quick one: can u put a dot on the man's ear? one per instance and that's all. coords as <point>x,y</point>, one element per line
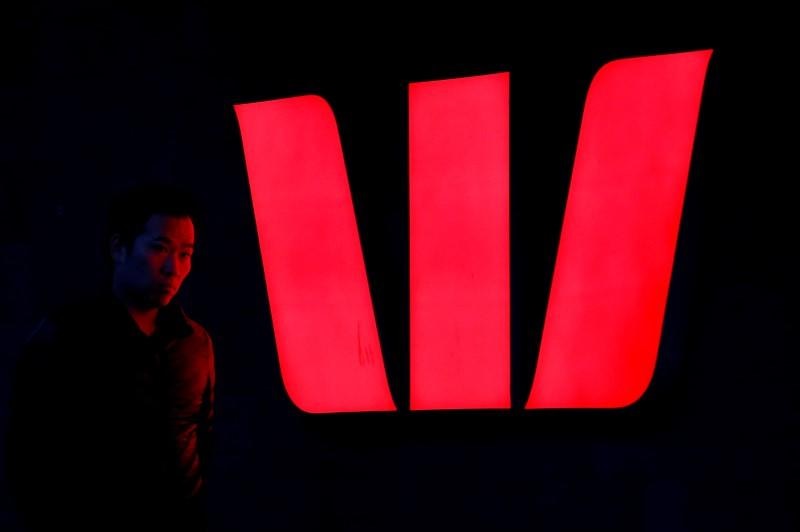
<point>118,250</point>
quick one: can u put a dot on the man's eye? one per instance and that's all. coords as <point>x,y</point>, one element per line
<point>186,255</point>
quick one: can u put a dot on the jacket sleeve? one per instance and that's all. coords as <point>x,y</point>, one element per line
<point>206,418</point>
<point>191,411</point>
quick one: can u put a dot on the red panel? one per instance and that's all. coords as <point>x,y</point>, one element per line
<point>327,340</point>
<point>459,269</point>
<point>612,273</point>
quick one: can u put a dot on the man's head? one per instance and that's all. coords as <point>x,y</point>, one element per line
<point>151,236</point>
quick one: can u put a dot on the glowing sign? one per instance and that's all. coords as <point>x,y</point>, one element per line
<point>612,273</point>
<point>325,330</point>
<point>459,257</point>
<point>611,279</point>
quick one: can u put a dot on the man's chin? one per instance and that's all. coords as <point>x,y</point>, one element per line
<point>163,301</point>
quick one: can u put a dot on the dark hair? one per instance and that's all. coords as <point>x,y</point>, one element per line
<point>131,209</point>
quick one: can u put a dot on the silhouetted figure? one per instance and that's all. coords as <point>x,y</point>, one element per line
<point>113,401</point>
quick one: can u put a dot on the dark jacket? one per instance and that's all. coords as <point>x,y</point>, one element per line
<point>110,428</point>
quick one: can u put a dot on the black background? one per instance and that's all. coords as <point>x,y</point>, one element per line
<point>95,99</point>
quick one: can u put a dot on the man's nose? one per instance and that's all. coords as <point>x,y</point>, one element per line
<point>168,266</point>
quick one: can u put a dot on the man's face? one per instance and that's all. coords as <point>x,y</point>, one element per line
<point>152,270</point>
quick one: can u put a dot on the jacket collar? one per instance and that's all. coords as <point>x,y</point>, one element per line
<point>170,322</point>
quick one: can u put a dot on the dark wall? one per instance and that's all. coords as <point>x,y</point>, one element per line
<point>95,99</point>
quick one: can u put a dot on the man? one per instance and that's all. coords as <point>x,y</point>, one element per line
<point>114,397</point>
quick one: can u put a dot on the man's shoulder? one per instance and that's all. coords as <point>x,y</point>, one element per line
<point>67,316</point>
<point>57,321</point>
<point>197,329</point>
<point>52,338</point>
<point>192,353</point>
<point>196,334</point>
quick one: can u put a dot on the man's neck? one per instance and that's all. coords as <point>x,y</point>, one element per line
<point>145,318</point>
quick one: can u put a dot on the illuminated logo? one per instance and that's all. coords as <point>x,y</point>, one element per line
<point>609,289</point>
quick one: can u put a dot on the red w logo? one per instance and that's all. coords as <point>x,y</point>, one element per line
<point>612,272</point>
